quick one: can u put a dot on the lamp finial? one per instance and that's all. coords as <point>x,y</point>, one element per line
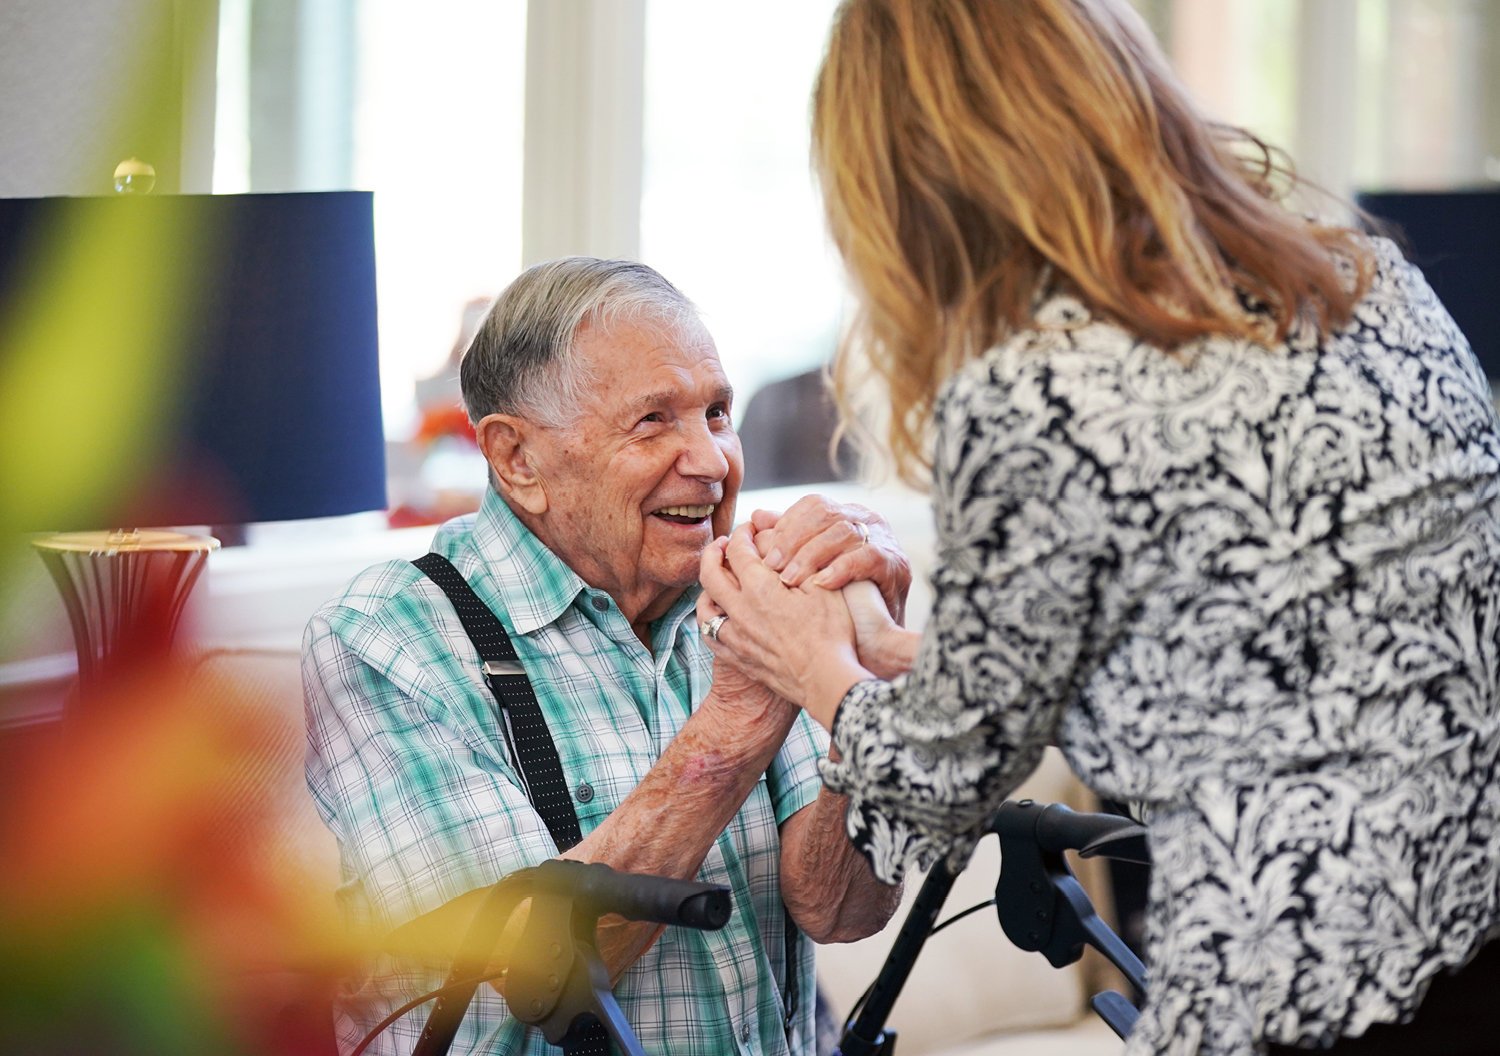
<point>134,176</point>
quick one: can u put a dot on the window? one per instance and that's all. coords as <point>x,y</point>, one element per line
<point>1429,112</point>
<point>437,137</point>
<point>729,209</point>
<point>422,107</point>
<point>1363,93</point>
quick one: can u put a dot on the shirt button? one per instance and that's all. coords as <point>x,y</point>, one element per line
<point>584,792</point>
<point>601,604</point>
<point>745,1031</point>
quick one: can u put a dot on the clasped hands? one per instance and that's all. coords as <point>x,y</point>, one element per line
<point>808,602</point>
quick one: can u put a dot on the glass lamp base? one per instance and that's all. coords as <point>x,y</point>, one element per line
<point>125,592</point>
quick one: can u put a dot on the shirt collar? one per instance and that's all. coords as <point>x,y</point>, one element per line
<point>509,567</point>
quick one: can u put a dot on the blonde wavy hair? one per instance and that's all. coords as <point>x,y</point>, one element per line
<point>974,153</point>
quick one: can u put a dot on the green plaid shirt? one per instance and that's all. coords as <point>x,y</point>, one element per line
<point>408,767</point>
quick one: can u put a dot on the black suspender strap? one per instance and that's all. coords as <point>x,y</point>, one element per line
<point>541,769</point>
<point>534,753</point>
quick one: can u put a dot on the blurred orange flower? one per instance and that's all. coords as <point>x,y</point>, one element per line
<point>148,902</point>
<point>449,420</point>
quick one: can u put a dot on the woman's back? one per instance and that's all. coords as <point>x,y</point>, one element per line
<point>1263,585</point>
<point>1255,588</point>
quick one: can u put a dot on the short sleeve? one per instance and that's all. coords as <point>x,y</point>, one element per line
<point>423,810</point>
<point>793,778</point>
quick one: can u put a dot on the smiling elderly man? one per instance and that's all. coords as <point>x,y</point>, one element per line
<point>602,409</point>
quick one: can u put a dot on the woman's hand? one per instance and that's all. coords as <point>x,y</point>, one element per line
<point>884,647</point>
<point>798,641</point>
<point>832,545</point>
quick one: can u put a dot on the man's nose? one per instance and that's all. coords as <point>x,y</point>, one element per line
<point>702,454</point>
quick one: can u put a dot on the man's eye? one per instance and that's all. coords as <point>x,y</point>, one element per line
<point>718,410</point>
<point>654,416</point>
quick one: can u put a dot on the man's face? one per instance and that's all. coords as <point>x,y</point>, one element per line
<point>648,475</point>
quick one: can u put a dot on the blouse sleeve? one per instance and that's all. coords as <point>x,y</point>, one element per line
<point>1023,555</point>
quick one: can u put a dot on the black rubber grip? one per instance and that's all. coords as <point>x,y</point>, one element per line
<point>1062,829</point>
<point>1055,828</point>
<point>637,896</point>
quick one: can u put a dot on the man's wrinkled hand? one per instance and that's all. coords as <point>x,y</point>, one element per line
<point>735,687</point>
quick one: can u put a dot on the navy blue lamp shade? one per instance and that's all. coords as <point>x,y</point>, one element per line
<point>270,397</point>
<point>1454,237</point>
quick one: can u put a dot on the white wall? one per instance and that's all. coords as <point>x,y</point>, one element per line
<point>87,83</point>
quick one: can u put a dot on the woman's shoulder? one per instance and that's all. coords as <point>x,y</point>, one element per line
<point>1071,355</point>
<point>1074,382</point>
<point>1396,284</point>
<point>1065,334</point>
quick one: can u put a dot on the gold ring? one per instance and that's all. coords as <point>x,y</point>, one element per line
<point>710,628</point>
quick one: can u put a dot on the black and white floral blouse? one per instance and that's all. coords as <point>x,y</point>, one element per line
<point>1258,592</point>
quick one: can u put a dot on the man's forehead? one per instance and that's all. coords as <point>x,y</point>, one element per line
<point>686,332</point>
<point>641,360</point>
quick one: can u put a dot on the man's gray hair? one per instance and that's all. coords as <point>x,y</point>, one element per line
<point>522,359</point>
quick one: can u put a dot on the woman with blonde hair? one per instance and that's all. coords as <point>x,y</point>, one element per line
<point>1217,491</point>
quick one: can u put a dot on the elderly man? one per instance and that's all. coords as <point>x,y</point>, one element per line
<point>602,409</point>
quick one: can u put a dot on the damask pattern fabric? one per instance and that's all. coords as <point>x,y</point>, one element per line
<point>408,766</point>
<point>1255,590</point>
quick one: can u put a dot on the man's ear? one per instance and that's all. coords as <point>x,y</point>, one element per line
<point>506,442</point>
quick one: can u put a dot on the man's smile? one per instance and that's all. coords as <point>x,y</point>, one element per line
<point>685,514</point>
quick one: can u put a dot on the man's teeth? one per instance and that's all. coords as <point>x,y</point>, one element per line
<point>695,512</point>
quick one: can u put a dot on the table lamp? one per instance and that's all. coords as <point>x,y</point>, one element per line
<point>263,393</point>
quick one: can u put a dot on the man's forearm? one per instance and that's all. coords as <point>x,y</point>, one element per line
<point>668,823</point>
<point>825,882</point>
